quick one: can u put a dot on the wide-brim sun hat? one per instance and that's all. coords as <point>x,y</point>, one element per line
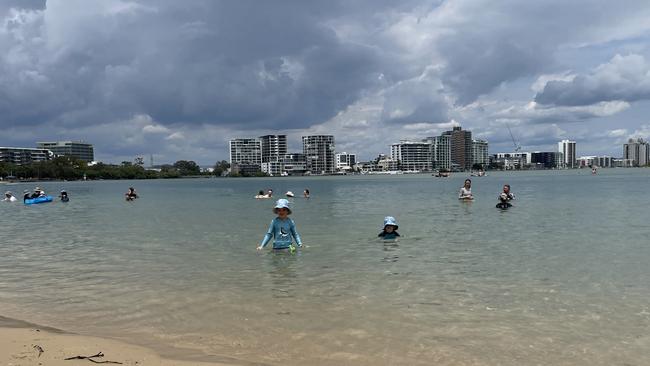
<point>8,193</point>
<point>281,203</point>
<point>390,220</point>
<point>289,194</point>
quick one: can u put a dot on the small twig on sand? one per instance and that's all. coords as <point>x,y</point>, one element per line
<point>90,358</point>
<point>39,349</point>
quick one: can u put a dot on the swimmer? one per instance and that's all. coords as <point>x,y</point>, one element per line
<point>390,229</point>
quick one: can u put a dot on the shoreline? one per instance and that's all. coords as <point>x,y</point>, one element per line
<point>24,344</point>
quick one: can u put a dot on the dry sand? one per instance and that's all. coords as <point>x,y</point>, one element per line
<point>19,346</point>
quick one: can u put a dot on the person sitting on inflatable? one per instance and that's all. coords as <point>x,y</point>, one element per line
<point>390,229</point>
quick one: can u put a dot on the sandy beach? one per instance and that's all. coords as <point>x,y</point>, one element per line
<point>24,344</point>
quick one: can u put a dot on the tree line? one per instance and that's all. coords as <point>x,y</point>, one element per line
<point>69,168</point>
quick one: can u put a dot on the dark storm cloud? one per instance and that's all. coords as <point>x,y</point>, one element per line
<point>243,62</point>
<point>487,43</point>
<point>624,78</point>
<point>205,69</point>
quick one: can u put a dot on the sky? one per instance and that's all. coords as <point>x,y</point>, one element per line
<point>178,79</point>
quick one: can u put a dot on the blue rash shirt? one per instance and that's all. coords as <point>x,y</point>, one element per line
<point>282,231</point>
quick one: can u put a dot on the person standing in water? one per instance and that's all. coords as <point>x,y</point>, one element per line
<point>282,229</point>
<point>465,192</point>
<point>505,197</point>
<point>64,196</point>
<point>131,195</point>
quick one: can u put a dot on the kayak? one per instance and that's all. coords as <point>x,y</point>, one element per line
<point>33,201</point>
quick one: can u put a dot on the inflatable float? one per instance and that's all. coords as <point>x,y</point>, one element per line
<point>33,201</point>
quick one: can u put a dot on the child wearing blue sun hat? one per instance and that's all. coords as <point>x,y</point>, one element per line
<point>390,229</point>
<point>282,228</point>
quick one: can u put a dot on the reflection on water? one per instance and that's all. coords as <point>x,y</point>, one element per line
<point>561,278</point>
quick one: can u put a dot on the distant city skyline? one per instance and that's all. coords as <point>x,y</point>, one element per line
<point>180,80</point>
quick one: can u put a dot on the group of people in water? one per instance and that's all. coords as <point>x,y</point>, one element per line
<point>269,194</point>
<point>63,195</point>
<point>36,193</point>
<point>283,229</point>
<point>504,197</point>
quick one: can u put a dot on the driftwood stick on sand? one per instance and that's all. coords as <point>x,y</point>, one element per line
<point>39,349</point>
<point>90,358</point>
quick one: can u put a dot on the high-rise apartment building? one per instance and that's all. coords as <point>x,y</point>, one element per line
<point>274,147</point>
<point>319,153</point>
<point>75,149</point>
<point>440,151</point>
<point>638,151</point>
<point>461,148</point>
<point>413,155</point>
<point>246,154</point>
<point>568,150</point>
<point>480,153</point>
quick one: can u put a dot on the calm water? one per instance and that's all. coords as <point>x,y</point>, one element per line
<point>562,278</point>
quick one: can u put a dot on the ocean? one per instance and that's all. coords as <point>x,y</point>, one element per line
<point>561,278</point>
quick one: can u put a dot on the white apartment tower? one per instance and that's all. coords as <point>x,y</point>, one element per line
<point>638,151</point>
<point>345,161</point>
<point>413,155</point>
<point>568,149</point>
<point>319,153</point>
<point>480,153</point>
<point>274,148</point>
<point>245,152</point>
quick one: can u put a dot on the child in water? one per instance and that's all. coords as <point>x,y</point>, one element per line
<point>282,228</point>
<point>390,229</point>
<point>64,196</point>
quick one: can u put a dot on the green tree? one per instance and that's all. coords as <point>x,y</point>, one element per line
<point>220,167</point>
<point>186,167</point>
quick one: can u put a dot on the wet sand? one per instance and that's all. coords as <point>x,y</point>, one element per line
<point>26,344</point>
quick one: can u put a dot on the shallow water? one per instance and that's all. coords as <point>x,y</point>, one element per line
<point>561,278</point>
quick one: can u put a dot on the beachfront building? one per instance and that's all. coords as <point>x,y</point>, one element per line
<point>345,161</point>
<point>461,148</point>
<point>545,159</point>
<point>605,161</point>
<point>76,149</point>
<point>319,153</point>
<point>274,147</point>
<point>568,150</point>
<point>294,164</point>
<point>24,155</point>
<point>412,155</point>
<point>638,151</point>
<point>480,153</point>
<point>245,155</point>
<point>622,163</point>
<point>441,152</point>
